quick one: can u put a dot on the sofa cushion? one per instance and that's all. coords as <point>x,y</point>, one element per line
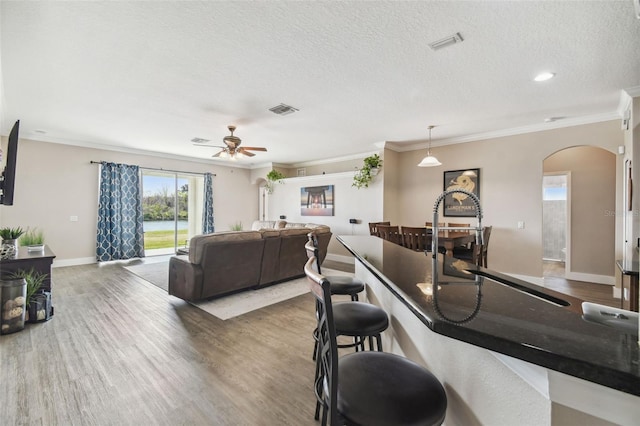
<point>290,225</point>
<point>198,242</point>
<point>263,224</point>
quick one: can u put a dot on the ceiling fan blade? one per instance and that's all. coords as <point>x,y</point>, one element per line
<point>255,148</point>
<point>244,152</point>
<point>218,154</point>
<point>208,146</point>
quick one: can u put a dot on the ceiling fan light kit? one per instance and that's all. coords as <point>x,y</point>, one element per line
<point>231,149</point>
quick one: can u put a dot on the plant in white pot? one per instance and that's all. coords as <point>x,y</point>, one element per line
<point>364,176</point>
<point>272,177</point>
<point>33,239</point>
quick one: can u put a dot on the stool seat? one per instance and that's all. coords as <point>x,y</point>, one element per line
<point>345,285</point>
<point>378,388</point>
<point>359,318</point>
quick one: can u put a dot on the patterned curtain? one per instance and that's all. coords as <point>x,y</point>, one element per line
<point>207,213</point>
<point>120,234</point>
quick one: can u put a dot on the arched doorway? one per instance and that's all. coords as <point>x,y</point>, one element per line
<point>586,251</point>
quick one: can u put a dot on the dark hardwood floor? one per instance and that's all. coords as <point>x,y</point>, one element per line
<point>591,292</point>
<point>120,351</point>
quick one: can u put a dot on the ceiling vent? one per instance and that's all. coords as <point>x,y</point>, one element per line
<point>200,140</point>
<point>283,109</point>
<point>446,42</point>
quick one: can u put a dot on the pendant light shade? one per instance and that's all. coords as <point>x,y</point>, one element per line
<point>429,160</point>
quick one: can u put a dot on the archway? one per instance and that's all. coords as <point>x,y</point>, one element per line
<point>589,247</point>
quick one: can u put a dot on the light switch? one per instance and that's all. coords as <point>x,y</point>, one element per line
<point>73,218</point>
<point>520,225</point>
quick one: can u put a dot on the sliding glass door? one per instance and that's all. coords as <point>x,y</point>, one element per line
<point>172,208</point>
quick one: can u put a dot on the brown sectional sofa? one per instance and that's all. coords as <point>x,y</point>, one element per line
<point>226,262</point>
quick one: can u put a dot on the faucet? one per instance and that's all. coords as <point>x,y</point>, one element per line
<point>436,228</point>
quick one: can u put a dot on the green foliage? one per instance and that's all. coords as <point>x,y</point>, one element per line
<point>11,233</point>
<point>275,175</point>
<point>162,204</point>
<point>272,177</point>
<point>364,176</point>
<point>163,239</point>
<point>236,226</point>
<point>32,237</point>
<point>34,281</point>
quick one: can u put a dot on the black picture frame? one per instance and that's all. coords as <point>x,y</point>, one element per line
<point>460,205</point>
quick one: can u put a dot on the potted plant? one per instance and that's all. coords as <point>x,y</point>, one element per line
<point>272,177</point>
<point>364,176</point>
<point>33,239</point>
<point>34,281</point>
<point>236,226</point>
<point>10,241</point>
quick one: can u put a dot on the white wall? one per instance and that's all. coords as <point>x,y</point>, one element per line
<point>54,182</point>
<point>350,203</point>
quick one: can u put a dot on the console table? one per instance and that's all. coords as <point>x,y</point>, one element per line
<point>40,261</point>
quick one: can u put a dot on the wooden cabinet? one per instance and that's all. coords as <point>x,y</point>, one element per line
<point>41,261</point>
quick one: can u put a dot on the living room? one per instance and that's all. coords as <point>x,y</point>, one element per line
<point>56,180</point>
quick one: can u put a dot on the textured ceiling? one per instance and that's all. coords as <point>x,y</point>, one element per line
<point>154,75</point>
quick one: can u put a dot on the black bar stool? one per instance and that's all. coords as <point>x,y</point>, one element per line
<point>369,388</point>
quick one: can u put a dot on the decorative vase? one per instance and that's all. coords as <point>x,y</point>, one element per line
<point>374,171</point>
<point>8,249</point>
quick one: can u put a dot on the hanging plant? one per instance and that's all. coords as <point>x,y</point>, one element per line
<point>364,176</point>
<point>272,177</point>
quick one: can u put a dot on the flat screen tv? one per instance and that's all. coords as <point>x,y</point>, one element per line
<point>8,179</point>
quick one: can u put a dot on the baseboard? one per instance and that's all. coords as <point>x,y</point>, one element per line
<point>74,262</point>
<point>339,258</point>
<point>591,278</point>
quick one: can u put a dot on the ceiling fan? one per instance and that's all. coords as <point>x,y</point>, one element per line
<point>232,148</point>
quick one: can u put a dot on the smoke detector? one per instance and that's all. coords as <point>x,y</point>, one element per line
<point>283,109</point>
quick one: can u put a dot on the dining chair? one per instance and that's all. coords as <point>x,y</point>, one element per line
<point>373,227</point>
<point>368,388</point>
<point>390,233</point>
<point>478,253</point>
<point>415,238</point>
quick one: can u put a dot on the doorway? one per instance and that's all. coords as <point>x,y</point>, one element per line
<point>555,223</point>
<point>172,209</point>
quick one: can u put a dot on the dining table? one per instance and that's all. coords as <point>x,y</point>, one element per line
<point>450,239</point>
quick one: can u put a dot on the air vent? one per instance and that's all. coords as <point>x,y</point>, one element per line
<point>200,140</point>
<point>446,42</point>
<point>283,109</point>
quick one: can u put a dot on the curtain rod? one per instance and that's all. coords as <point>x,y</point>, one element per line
<point>160,170</point>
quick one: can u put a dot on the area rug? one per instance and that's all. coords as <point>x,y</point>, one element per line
<point>236,304</point>
<point>155,272</point>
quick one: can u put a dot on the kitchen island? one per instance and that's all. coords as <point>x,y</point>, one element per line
<point>507,351</point>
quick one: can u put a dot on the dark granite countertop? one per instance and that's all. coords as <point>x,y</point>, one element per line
<point>629,267</point>
<point>501,313</point>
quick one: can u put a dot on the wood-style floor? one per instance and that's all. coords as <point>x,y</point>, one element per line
<point>591,292</point>
<point>120,351</point>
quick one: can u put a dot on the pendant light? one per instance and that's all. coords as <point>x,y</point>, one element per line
<point>429,160</point>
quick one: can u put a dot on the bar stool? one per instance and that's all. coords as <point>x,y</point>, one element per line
<point>369,388</point>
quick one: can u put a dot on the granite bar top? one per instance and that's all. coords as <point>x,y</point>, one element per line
<point>629,267</point>
<point>503,314</point>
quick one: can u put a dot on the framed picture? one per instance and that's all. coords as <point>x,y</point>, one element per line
<point>457,204</point>
<point>316,200</point>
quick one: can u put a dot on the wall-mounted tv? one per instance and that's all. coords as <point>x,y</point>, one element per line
<point>8,179</point>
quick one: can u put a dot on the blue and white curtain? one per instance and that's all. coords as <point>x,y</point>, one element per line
<point>207,213</point>
<point>120,234</point>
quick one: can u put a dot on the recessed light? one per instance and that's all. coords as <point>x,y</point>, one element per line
<point>544,76</point>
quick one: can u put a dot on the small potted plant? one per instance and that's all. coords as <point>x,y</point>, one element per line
<point>272,177</point>
<point>33,239</point>
<point>236,226</point>
<point>364,176</point>
<point>10,241</point>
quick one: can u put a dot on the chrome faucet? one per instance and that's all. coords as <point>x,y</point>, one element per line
<point>436,228</point>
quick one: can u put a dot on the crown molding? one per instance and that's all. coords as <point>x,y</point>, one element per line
<point>569,122</point>
<point>334,159</point>
<point>633,91</point>
<point>93,145</point>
